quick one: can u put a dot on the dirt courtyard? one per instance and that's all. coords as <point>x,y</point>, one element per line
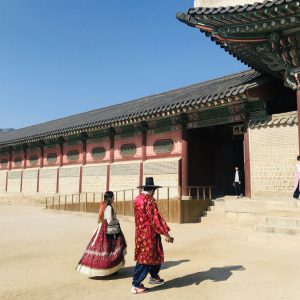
<point>40,248</point>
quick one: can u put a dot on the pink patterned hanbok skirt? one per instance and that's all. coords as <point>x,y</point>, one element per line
<point>104,254</point>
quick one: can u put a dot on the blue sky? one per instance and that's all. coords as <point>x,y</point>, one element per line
<point>62,57</point>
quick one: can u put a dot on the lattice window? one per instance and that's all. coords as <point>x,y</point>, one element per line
<point>48,173</point>
<point>98,153</point>
<point>52,158</point>
<point>159,168</point>
<point>4,163</point>
<point>14,175</point>
<point>163,146</point>
<point>18,161</point>
<point>69,172</point>
<point>34,160</point>
<point>95,171</point>
<point>30,174</point>
<point>128,150</point>
<point>73,155</point>
<point>125,169</point>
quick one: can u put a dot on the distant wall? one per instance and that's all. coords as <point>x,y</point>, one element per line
<point>126,170</point>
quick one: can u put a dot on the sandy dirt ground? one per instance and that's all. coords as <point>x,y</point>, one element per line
<point>40,248</point>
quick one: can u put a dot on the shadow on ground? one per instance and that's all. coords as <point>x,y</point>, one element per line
<point>213,274</point>
<point>128,271</point>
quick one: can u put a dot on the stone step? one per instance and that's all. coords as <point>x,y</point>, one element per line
<point>282,221</point>
<point>217,208</point>
<point>244,205</point>
<point>270,237</point>
<point>283,212</point>
<point>215,214</point>
<point>287,230</point>
<point>292,204</point>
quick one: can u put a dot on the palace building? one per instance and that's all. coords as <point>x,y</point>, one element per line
<point>191,136</point>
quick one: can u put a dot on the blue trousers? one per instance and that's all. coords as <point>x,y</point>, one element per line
<point>141,271</point>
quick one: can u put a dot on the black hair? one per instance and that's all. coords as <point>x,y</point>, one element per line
<point>108,197</point>
<point>149,189</point>
<point>298,157</point>
<point>107,200</point>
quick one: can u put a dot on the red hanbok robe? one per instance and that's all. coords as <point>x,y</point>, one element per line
<point>149,225</point>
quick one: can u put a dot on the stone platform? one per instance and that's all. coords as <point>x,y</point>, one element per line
<point>265,218</point>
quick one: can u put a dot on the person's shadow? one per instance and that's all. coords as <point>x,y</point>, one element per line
<point>128,271</point>
<point>213,274</point>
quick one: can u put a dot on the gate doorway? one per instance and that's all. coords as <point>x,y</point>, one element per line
<point>213,154</point>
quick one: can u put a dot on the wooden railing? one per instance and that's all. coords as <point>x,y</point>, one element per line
<point>177,204</point>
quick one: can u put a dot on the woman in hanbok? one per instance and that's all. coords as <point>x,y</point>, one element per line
<point>105,252</point>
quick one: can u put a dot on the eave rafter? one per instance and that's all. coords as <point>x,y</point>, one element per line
<point>264,36</point>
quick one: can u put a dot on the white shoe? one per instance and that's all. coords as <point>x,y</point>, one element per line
<point>139,290</point>
<point>157,280</point>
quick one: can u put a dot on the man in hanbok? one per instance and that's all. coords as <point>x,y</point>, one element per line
<point>149,225</point>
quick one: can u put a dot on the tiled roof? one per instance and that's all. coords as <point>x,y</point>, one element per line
<point>238,8</point>
<point>263,35</point>
<point>201,93</point>
<point>289,118</point>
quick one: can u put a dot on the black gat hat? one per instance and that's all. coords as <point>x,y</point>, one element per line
<point>149,183</point>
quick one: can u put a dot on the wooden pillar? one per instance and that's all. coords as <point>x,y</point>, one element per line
<point>141,175</point>
<point>184,161</point>
<point>21,184</point>
<point>6,183</point>
<point>57,181</point>
<point>111,134</point>
<point>84,142</point>
<point>247,161</point>
<point>107,177</point>
<point>38,181</point>
<point>10,160</point>
<point>42,153</point>
<point>61,161</point>
<point>144,145</point>
<point>61,152</point>
<point>298,111</point>
<point>80,180</point>
<point>25,147</point>
<point>112,145</point>
<point>144,156</point>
